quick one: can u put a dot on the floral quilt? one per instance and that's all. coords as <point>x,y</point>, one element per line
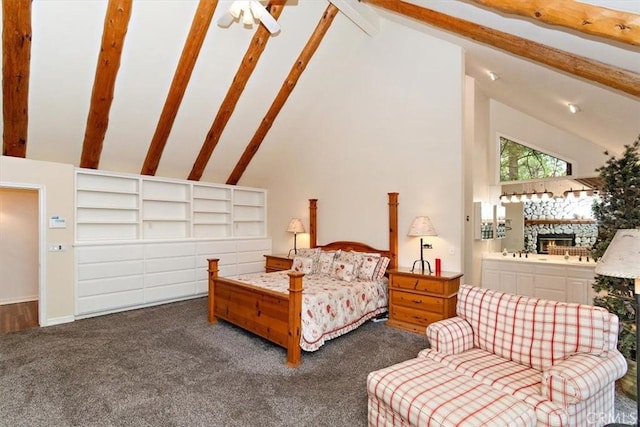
<point>330,307</point>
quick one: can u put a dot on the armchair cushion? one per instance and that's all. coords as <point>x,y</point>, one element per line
<point>581,376</point>
<point>450,336</point>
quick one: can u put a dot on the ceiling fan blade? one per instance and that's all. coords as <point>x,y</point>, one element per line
<point>270,23</point>
<point>225,20</point>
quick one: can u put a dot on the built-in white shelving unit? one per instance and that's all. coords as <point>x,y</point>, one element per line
<point>142,240</point>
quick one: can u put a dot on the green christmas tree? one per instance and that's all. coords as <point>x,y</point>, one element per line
<point>618,208</point>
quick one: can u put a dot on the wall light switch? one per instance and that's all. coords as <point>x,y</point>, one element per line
<point>58,247</point>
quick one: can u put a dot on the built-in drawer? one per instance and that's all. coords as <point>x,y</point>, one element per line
<point>410,315</point>
<point>417,301</point>
<point>418,284</point>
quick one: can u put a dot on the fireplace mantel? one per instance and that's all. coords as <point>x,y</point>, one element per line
<point>558,221</point>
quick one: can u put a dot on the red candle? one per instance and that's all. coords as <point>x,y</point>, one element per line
<point>438,266</point>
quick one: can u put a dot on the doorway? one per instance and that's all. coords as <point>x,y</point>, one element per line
<point>20,237</point>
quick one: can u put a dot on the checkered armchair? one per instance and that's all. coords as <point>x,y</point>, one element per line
<point>559,358</point>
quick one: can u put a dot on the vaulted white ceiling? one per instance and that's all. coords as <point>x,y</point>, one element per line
<point>66,42</point>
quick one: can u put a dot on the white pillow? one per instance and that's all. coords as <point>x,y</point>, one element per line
<point>368,267</point>
<point>342,270</point>
<point>302,264</point>
<point>325,260</point>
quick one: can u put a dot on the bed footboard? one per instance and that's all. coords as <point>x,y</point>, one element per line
<point>272,315</point>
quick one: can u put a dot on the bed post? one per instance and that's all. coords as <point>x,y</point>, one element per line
<point>313,231</point>
<point>393,229</point>
<point>295,318</point>
<point>213,274</point>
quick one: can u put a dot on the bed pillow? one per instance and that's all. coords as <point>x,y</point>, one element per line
<point>381,268</point>
<point>302,264</point>
<point>342,270</point>
<point>325,261</point>
<point>314,254</point>
<point>368,266</point>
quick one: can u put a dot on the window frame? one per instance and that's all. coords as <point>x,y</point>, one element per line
<point>498,163</point>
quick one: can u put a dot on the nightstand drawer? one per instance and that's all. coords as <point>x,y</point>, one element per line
<point>418,284</point>
<point>417,301</point>
<point>282,264</point>
<point>417,317</point>
<point>277,263</point>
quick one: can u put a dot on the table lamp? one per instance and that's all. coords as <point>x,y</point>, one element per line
<point>421,227</point>
<point>295,227</point>
<point>622,259</point>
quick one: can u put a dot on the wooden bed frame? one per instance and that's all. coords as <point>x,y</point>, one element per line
<point>273,315</point>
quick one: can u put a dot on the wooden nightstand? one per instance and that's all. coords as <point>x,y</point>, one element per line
<point>416,300</point>
<point>277,263</point>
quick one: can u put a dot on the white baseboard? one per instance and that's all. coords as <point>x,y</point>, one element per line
<point>58,321</point>
<point>6,301</point>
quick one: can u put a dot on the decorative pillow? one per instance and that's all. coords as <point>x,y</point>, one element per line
<point>302,264</point>
<point>325,260</point>
<point>381,268</point>
<point>342,270</point>
<point>314,254</point>
<point>308,252</point>
<point>368,266</point>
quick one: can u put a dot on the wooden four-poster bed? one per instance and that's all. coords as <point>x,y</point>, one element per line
<point>276,315</point>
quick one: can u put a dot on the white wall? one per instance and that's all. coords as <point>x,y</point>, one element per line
<point>56,180</point>
<point>370,115</point>
<point>19,245</point>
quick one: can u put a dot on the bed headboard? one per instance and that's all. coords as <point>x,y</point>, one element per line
<point>391,253</point>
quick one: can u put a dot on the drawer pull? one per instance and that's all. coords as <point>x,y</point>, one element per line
<point>416,285</point>
<point>416,301</point>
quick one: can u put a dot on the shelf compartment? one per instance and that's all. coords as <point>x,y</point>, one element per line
<point>162,229</point>
<point>204,205</point>
<point>211,230</point>
<point>248,198</point>
<point>116,184</point>
<point>88,215</point>
<point>168,191</point>
<point>106,231</point>
<point>211,193</point>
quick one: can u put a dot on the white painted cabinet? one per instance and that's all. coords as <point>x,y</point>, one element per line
<point>553,281</point>
<point>142,241</point>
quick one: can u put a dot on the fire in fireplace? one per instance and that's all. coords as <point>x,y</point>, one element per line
<point>546,240</point>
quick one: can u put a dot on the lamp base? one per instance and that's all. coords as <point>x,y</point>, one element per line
<point>421,262</point>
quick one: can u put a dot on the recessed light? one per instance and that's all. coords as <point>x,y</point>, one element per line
<point>573,108</point>
<point>493,76</point>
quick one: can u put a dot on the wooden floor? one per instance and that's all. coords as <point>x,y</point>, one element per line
<point>17,317</point>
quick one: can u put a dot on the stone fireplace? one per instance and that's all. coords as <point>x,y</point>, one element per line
<point>560,222</point>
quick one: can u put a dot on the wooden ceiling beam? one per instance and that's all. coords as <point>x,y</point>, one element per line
<point>282,96</point>
<point>607,75</point>
<point>190,52</point>
<point>116,22</point>
<point>244,72</point>
<point>589,19</point>
<point>16,53</point>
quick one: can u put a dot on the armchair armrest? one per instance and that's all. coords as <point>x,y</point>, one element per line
<point>581,376</point>
<point>450,336</point>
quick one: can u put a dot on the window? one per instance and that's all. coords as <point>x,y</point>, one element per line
<point>519,162</point>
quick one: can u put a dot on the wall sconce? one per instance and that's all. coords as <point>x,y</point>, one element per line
<point>579,194</point>
<point>420,227</point>
<point>295,227</point>
<point>521,197</point>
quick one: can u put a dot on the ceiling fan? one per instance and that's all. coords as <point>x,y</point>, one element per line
<point>249,12</point>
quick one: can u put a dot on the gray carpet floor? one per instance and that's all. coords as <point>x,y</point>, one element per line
<point>166,366</point>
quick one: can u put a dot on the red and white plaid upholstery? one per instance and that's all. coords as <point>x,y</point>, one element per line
<point>534,332</point>
<point>559,358</point>
<point>422,392</point>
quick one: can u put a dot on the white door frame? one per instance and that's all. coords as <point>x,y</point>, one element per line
<point>42,247</point>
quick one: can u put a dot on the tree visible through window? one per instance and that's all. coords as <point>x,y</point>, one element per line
<point>519,162</point>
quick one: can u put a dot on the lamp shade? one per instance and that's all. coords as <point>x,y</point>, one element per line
<point>295,226</point>
<point>622,257</point>
<point>421,226</point>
